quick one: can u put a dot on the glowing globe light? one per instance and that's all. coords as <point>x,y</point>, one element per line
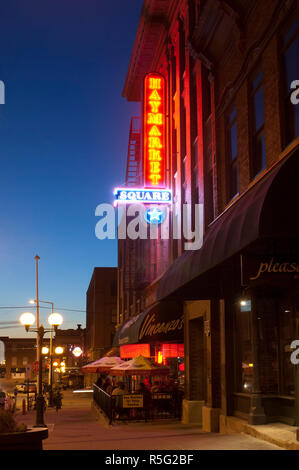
<point>77,351</point>
<point>59,350</point>
<point>55,319</point>
<point>27,319</point>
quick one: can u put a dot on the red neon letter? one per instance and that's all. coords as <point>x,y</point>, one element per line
<point>154,152</point>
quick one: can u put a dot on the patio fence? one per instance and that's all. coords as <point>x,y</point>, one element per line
<point>104,401</point>
<point>160,405</point>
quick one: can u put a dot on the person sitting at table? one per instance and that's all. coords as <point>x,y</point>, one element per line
<point>118,392</point>
<point>107,386</point>
<point>155,387</point>
<point>99,382</point>
<point>147,383</point>
<point>147,399</point>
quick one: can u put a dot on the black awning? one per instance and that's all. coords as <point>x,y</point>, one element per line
<point>129,331</point>
<point>268,209</point>
<point>162,322</point>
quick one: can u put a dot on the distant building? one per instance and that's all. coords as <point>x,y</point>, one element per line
<point>100,312</point>
<point>72,342</point>
<point>19,354</point>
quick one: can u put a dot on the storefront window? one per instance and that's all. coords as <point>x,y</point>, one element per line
<point>287,314</point>
<point>268,344</point>
<point>243,349</point>
<point>277,330</point>
<point>285,353</point>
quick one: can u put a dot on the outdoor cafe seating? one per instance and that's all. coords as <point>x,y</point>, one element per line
<point>146,395</point>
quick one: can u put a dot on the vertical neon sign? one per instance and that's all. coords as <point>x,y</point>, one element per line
<point>154,131</point>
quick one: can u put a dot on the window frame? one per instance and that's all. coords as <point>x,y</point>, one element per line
<point>286,92</point>
<point>256,135</point>
<point>229,161</point>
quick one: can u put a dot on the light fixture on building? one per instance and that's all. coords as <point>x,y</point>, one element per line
<point>245,304</point>
<point>77,351</point>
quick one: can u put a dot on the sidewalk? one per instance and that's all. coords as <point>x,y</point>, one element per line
<point>279,434</point>
<point>77,427</point>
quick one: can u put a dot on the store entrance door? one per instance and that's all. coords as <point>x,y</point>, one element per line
<point>196,358</point>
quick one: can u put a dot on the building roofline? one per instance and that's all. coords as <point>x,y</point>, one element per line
<point>152,24</point>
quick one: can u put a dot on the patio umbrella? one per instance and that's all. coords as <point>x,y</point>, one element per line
<point>102,365</point>
<point>139,366</point>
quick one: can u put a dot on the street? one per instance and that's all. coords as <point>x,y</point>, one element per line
<point>77,427</point>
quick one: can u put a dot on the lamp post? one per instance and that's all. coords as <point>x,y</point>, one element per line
<point>58,351</point>
<point>37,258</point>
<point>50,376</point>
<point>27,319</point>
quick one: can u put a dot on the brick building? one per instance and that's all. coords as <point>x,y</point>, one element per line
<point>232,151</point>
<point>72,342</point>
<point>100,312</point>
<point>19,354</point>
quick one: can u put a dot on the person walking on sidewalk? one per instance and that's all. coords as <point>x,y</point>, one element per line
<point>57,399</point>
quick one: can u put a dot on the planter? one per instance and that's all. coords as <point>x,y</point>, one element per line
<point>32,439</point>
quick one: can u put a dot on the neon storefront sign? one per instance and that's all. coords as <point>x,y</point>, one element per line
<point>146,196</point>
<point>154,131</point>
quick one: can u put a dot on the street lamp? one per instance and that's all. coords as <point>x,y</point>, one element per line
<point>50,375</point>
<point>77,352</point>
<point>27,319</point>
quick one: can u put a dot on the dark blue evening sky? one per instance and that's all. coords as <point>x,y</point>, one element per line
<point>63,143</point>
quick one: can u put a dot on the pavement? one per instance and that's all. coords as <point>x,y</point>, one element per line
<point>78,427</point>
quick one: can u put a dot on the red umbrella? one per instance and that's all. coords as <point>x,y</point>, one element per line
<point>102,365</point>
<point>139,366</point>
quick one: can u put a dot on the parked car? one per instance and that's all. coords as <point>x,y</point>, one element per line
<point>26,387</point>
<point>20,387</point>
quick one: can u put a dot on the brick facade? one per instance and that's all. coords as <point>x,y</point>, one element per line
<point>210,52</point>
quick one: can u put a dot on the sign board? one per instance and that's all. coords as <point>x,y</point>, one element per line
<point>145,196</point>
<point>270,268</point>
<point>154,131</point>
<point>132,401</point>
<point>166,326</point>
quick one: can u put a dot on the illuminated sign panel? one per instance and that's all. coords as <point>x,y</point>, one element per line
<point>154,130</point>
<point>128,351</point>
<point>145,196</point>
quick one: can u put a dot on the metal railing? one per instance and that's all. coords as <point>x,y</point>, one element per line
<point>161,405</point>
<point>104,401</point>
